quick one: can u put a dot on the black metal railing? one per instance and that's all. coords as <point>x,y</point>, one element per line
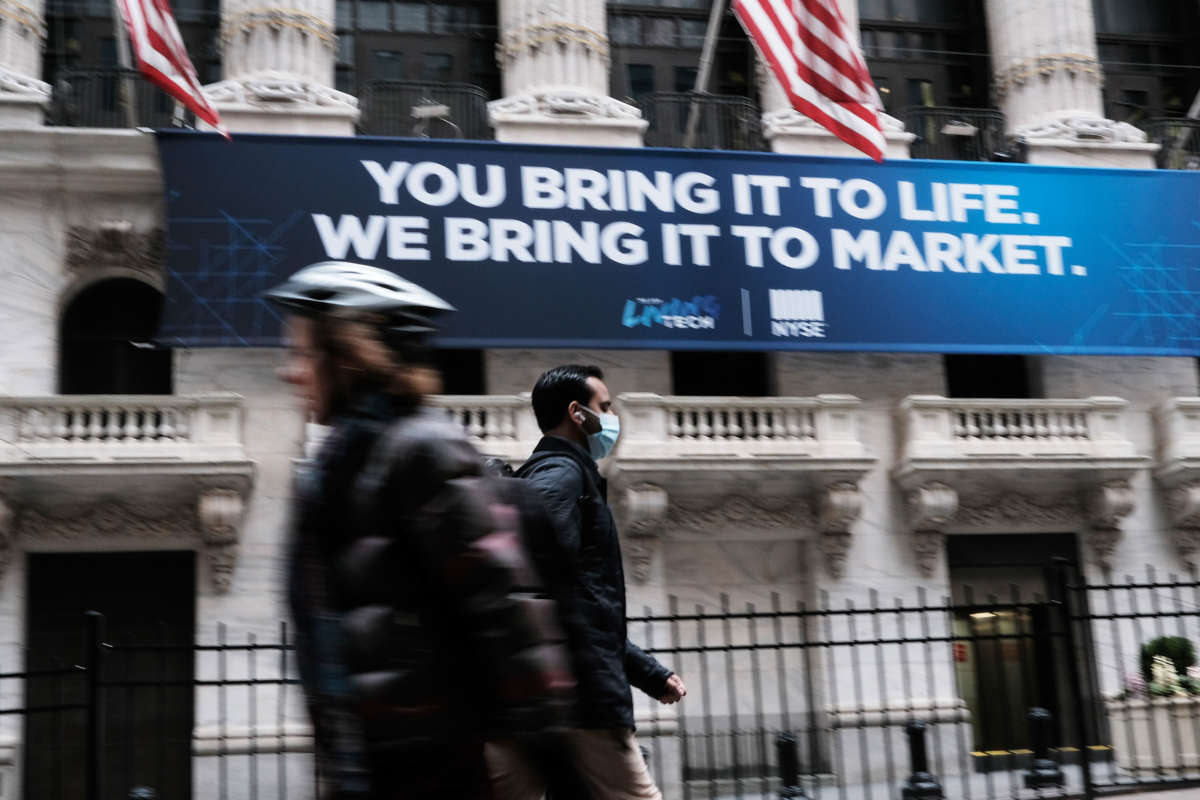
<point>959,134</point>
<point>1178,140</point>
<point>157,718</point>
<point>1066,689</point>
<point>723,122</point>
<point>424,109</point>
<point>94,97</point>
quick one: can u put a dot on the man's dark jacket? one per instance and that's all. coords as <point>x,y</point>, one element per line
<point>420,629</point>
<point>606,662</point>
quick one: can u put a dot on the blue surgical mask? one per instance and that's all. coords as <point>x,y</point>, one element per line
<point>601,443</point>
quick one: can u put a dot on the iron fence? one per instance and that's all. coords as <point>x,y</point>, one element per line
<point>723,122</point>
<point>424,109</point>
<point>960,134</point>
<point>988,692</point>
<point>1178,141</point>
<point>94,98</point>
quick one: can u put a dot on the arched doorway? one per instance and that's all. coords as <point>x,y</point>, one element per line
<point>106,341</point>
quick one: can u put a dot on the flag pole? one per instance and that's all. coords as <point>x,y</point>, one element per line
<point>125,82</point>
<point>706,58</point>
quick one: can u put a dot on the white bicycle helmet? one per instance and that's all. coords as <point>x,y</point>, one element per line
<point>329,286</point>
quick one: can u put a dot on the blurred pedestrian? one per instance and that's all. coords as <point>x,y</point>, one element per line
<point>417,635</point>
<point>574,411</point>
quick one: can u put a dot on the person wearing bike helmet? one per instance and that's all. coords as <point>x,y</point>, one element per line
<point>420,627</point>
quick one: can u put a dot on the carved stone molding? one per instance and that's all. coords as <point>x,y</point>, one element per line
<point>1103,543</point>
<point>7,532</point>
<point>108,519</point>
<point>277,19</point>
<point>564,104</point>
<point>1085,129</point>
<point>931,506</point>
<point>520,41</point>
<point>1015,509</point>
<point>928,546</point>
<point>835,548</point>
<point>788,120</point>
<point>220,513</point>
<point>116,244</point>
<point>841,505</point>
<point>278,92</point>
<point>1183,503</point>
<point>214,522</point>
<point>1109,503</point>
<point>736,509</point>
<point>15,86</point>
<point>645,507</point>
<point>1020,72</point>
<point>1187,544</point>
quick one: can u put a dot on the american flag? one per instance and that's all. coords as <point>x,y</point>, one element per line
<point>162,57</point>
<point>812,52</point>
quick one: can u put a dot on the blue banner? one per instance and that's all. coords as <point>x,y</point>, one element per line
<point>677,249</point>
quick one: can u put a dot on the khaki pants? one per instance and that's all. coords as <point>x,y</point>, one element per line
<point>609,762</point>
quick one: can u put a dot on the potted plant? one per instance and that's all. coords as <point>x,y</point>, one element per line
<point>1156,718</point>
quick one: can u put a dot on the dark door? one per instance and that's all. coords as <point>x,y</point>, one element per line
<point>148,603</point>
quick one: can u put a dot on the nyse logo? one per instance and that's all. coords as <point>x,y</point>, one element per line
<point>797,313</point>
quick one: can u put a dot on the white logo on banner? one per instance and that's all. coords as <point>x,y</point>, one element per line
<point>797,313</point>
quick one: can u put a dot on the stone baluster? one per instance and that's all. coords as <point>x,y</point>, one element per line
<point>278,67</point>
<point>554,57</point>
<point>23,98</point>
<point>1047,82</point>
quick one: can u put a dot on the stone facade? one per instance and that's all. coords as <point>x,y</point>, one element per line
<point>863,477</point>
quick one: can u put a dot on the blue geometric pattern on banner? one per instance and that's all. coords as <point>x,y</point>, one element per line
<point>545,246</point>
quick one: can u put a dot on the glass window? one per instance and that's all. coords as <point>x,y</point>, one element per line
<point>387,65</point>
<point>373,15</point>
<point>659,31</point>
<point>691,32</point>
<point>345,14</point>
<point>920,92</point>
<point>625,29</point>
<point>437,67</point>
<point>1142,16</point>
<point>451,19</point>
<point>345,81</point>
<point>346,48</point>
<point>685,78</point>
<point>873,9</point>
<point>412,17</point>
<point>641,79</point>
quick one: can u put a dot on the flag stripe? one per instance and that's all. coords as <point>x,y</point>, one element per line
<point>162,56</point>
<point>808,46</point>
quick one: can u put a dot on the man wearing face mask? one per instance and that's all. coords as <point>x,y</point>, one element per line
<point>574,411</point>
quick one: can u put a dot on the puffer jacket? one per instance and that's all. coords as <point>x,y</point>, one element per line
<point>421,628</point>
<point>606,662</point>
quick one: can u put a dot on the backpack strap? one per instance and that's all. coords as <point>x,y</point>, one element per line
<point>589,484</point>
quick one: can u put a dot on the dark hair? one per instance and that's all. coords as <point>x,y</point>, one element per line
<point>557,387</point>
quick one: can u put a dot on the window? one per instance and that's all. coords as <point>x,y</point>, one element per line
<point>106,341</point>
<point>462,371</point>
<point>669,36</point>
<point>996,376</point>
<point>1148,52</point>
<point>685,78</point>
<point>373,15</point>
<point>720,374</point>
<point>641,79</point>
<point>928,52</point>
<point>412,17</point>
<point>387,64</point>
<point>437,67</point>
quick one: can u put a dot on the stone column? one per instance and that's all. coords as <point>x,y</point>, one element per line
<point>789,131</point>
<point>554,56</point>
<point>1047,82</point>
<point>278,63</point>
<point>23,98</point>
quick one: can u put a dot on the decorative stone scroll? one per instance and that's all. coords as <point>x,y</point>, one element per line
<point>645,507</point>
<point>840,506</point>
<point>931,507</point>
<point>1183,504</point>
